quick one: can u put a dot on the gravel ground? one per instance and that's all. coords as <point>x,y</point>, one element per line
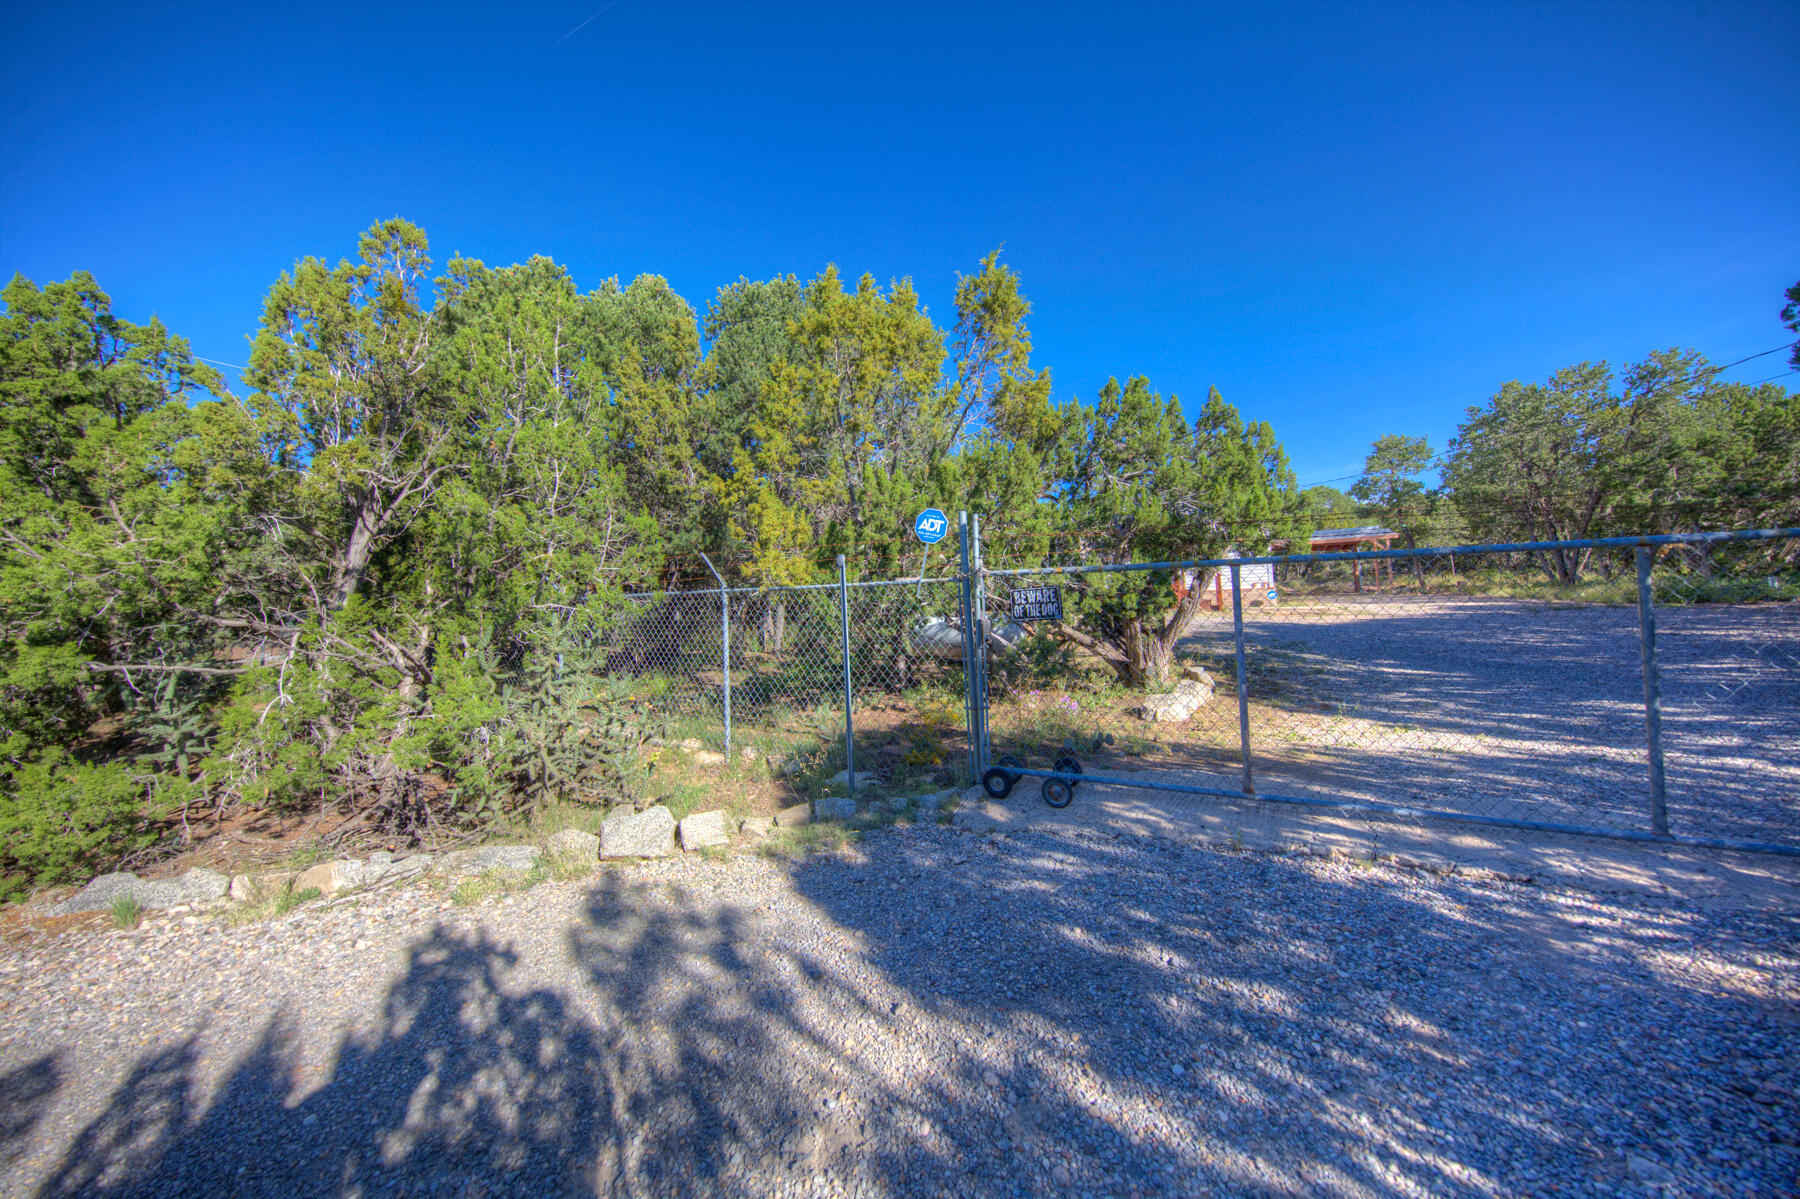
<point>1523,709</point>
<point>927,1013</point>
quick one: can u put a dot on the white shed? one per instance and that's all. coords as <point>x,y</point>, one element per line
<point>1258,582</point>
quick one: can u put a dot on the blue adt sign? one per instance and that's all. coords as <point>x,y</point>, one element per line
<point>931,526</point>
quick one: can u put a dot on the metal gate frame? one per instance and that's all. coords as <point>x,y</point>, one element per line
<point>975,650</point>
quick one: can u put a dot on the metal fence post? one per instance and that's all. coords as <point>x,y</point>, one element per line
<point>968,634</point>
<point>1243,675</point>
<point>979,589</point>
<point>849,705</point>
<point>725,642</point>
<point>1659,812</point>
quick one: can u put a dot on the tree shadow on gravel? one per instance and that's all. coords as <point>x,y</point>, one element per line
<point>938,1014</point>
<point>1131,1016</point>
<point>668,1045</point>
<point>465,1079</point>
<point>24,1092</point>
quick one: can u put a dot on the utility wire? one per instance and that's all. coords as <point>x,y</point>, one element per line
<point>1790,370</point>
<point>1790,345</point>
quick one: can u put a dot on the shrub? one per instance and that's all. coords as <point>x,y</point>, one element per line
<point>60,817</point>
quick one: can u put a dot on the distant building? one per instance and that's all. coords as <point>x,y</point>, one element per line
<point>1343,541</point>
<point>1258,580</point>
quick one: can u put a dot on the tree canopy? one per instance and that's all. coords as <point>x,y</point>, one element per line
<point>344,584</point>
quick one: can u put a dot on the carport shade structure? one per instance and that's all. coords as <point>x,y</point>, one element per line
<point>1343,541</point>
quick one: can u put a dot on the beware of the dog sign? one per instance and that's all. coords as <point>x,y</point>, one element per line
<point>931,526</point>
<point>1036,603</point>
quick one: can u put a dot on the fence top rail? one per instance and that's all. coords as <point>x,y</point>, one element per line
<point>1439,551</point>
<point>776,588</point>
<point>1510,547</point>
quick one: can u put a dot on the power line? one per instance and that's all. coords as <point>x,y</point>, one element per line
<point>1790,345</point>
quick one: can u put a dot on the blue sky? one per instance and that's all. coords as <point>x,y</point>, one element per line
<point>1352,220</point>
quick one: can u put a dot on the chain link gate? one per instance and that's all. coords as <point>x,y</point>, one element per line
<point>1662,705</point>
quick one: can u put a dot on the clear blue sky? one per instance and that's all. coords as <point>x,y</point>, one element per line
<point>1352,220</point>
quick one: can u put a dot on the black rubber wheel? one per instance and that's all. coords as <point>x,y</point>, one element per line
<point>1067,765</point>
<point>1012,764</point>
<point>998,782</point>
<point>1057,792</point>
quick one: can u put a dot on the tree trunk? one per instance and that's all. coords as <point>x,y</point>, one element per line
<point>1149,653</point>
<point>356,555</point>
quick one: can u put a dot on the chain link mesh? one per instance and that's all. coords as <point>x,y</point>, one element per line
<point>1490,684</point>
<point>787,687</point>
<point>1728,645</point>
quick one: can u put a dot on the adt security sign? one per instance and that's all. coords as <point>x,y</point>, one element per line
<point>931,526</point>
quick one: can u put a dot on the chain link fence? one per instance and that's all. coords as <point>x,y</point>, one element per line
<point>1501,684</point>
<point>1604,687</point>
<point>795,685</point>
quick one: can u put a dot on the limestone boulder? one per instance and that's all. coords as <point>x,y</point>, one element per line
<point>491,857</point>
<point>834,807</point>
<point>702,830</point>
<point>197,886</point>
<point>646,834</point>
<point>795,816</point>
<point>1188,697</point>
<point>756,828</point>
<point>330,878</point>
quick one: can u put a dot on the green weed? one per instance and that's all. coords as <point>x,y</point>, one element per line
<point>494,883</point>
<point>808,839</point>
<point>126,911</point>
<point>302,854</point>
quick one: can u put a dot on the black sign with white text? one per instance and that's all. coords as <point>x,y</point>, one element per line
<point>1036,603</point>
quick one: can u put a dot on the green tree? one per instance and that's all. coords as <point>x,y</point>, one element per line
<point>1790,315</point>
<point>1575,457</point>
<point>861,393</point>
<point>108,481</point>
<point>1390,482</point>
<point>1330,507</point>
<point>1136,484</point>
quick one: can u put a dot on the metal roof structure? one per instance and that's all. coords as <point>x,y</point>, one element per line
<point>1365,533</point>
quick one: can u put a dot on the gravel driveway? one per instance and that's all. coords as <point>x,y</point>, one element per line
<point>1521,708</point>
<point>930,1012</point>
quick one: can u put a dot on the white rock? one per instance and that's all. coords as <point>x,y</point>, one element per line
<point>834,807</point>
<point>863,779</point>
<point>492,857</point>
<point>795,816</point>
<point>707,757</point>
<point>703,829</point>
<point>335,876</point>
<point>646,834</point>
<point>755,828</point>
<point>196,886</point>
<point>1188,697</point>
